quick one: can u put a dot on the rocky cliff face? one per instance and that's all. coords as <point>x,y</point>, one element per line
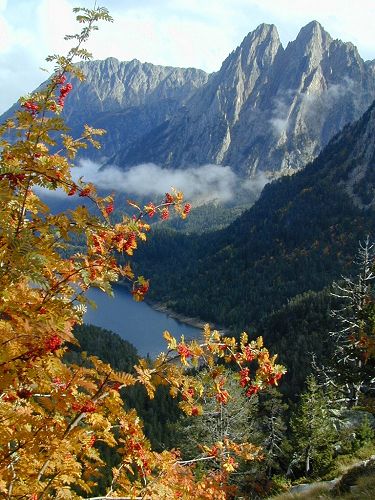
<point>301,234</point>
<point>129,99</point>
<point>268,109</point>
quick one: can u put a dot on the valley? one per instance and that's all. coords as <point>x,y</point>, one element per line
<point>243,198</point>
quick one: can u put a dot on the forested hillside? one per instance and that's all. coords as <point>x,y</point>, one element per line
<point>300,235</point>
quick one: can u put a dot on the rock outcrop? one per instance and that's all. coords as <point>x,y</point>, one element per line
<point>268,109</point>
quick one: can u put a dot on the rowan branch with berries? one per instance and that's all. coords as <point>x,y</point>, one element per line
<point>54,414</point>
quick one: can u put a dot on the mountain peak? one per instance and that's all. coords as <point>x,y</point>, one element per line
<point>266,29</point>
<point>314,32</point>
<point>263,44</point>
<point>261,33</point>
<point>313,26</point>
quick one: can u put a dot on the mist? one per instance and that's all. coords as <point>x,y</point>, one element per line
<point>199,184</point>
<point>309,105</point>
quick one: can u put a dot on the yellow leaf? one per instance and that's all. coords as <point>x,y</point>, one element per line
<point>172,343</point>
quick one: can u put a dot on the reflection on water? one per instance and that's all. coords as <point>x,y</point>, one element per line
<point>134,321</point>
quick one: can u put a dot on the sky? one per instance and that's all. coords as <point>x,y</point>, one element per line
<point>185,33</point>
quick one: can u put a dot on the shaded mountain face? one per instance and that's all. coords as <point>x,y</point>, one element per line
<point>300,235</point>
<point>268,109</point>
<point>128,99</point>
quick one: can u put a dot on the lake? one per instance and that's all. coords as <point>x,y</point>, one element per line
<point>135,322</point>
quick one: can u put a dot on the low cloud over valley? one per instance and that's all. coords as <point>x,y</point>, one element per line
<point>199,184</point>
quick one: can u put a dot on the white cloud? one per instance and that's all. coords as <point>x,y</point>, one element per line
<point>280,113</point>
<point>310,104</point>
<point>199,184</point>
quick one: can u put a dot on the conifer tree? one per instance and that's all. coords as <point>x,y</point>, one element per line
<point>313,433</point>
<point>233,418</point>
<point>272,421</point>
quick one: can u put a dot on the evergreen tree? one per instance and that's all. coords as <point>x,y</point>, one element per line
<point>272,421</point>
<point>236,419</point>
<point>313,433</point>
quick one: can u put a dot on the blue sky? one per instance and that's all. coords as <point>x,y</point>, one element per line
<point>197,33</point>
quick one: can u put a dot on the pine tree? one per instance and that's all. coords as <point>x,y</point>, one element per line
<point>272,421</point>
<point>313,433</point>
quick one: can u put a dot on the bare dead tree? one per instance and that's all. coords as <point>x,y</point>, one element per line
<point>350,372</point>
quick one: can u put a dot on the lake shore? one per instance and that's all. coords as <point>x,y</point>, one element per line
<point>187,320</point>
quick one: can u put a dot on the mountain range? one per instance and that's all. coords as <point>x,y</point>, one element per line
<point>268,109</point>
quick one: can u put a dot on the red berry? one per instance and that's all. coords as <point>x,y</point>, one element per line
<point>52,343</point>
<point>168,198</point>
<point>60,80</point>
<point>244,377</point>
<point>73,190</point>
<point>24,393</point>
<point>184,351</point>
<point>187,208</point>
<point>85,192</point>
<point>88,407</point>
<point>165,214</point>
<point>109,209</point>
<point>253,389</point>
<point>222,397</point>
<point>151,210</point>
<point>9,398</point>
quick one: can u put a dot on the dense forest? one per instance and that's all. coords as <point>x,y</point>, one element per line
<point>284,428</point>
<point>300,235</point>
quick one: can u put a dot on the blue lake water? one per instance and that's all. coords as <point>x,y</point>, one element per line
<point>134,321</point>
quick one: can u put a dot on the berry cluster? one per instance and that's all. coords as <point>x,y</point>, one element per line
<point>32,107</point>
<point>87,407</point>
<point>139,291</point>
<point>109,208</point>
<point>64,91</point>
<point>14,179</point>
<point>52,343</point>
<point>184,351</point>
<point>186,209</point>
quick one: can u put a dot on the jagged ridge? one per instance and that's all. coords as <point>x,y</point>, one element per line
<point>268,108</point>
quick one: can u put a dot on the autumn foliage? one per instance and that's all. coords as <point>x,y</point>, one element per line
<point>53,414</point>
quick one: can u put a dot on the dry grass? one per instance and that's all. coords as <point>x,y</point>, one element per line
<point>318,492</point>
<point>363,485</point>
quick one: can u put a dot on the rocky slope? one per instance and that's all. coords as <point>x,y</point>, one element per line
<point>268,108</point>
<point>129,99</point>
